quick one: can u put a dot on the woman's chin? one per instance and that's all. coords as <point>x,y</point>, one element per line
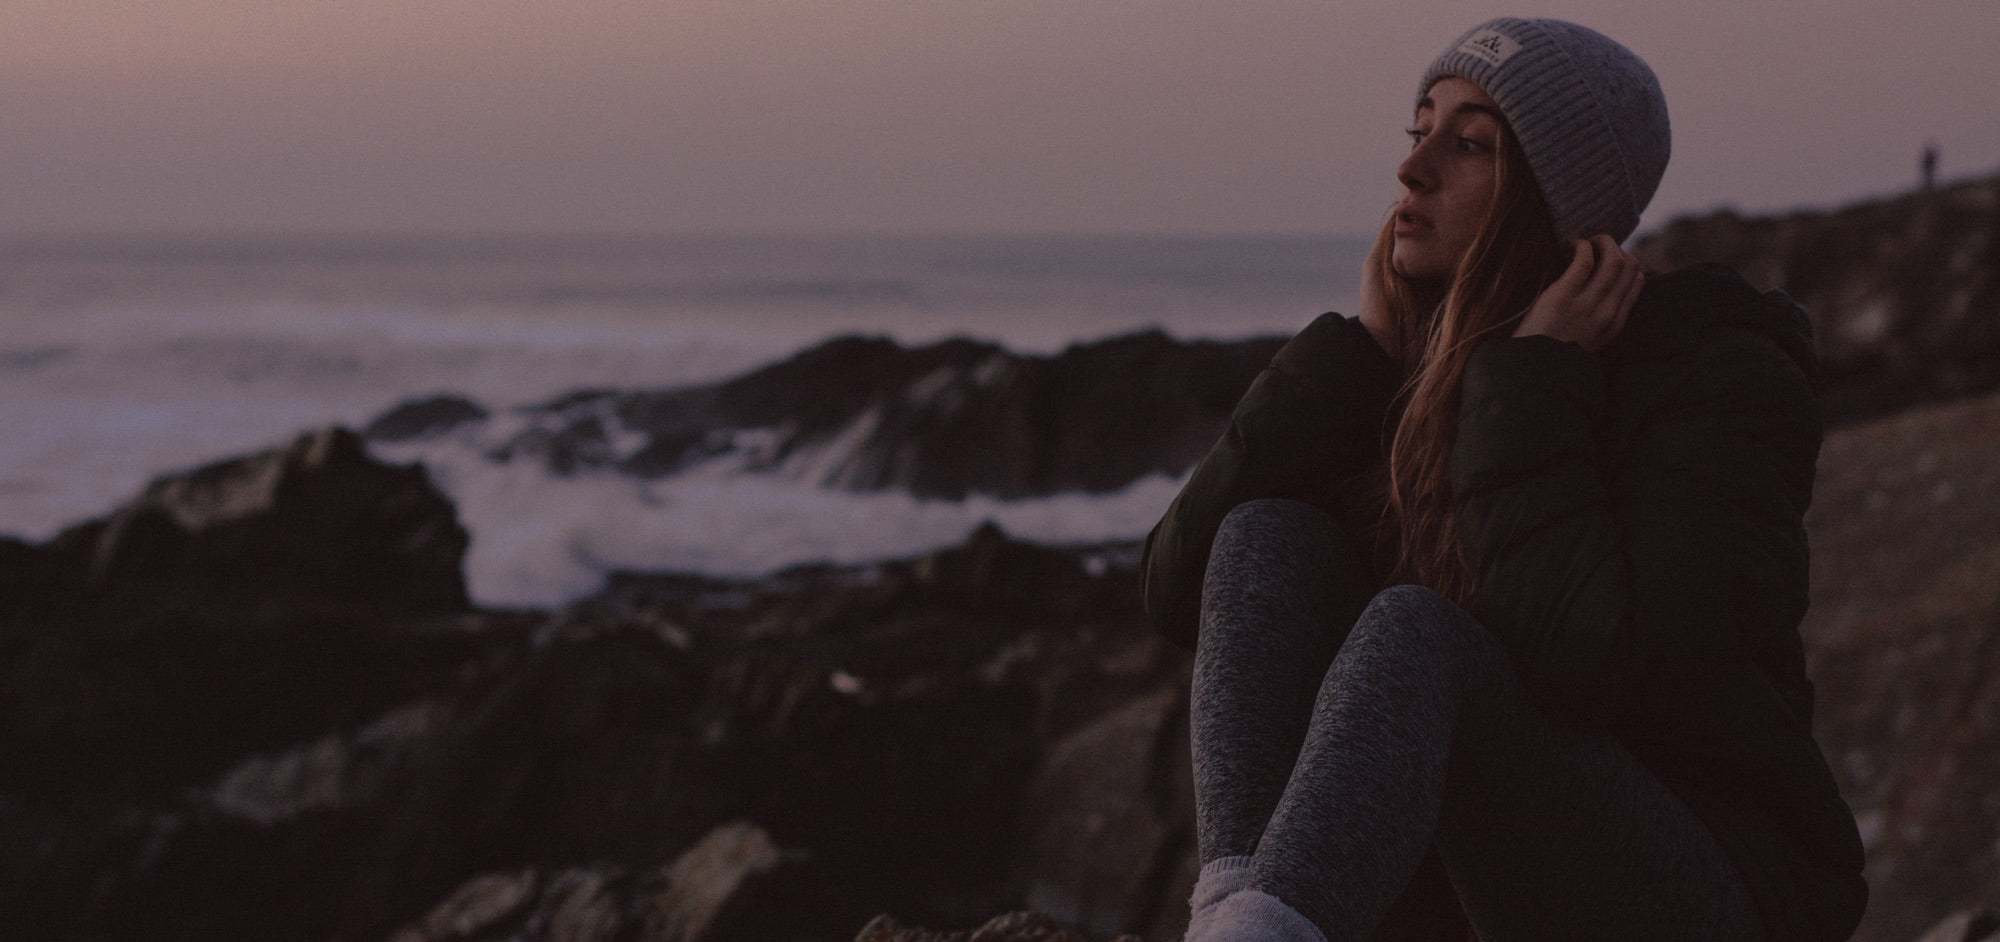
<point>1414,267</point>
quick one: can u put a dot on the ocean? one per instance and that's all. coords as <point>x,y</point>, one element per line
<point>122,359</point>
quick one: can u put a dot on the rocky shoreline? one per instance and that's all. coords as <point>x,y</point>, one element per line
<point>337,759</point>
<point>256,702</point>
<point>973,731</point>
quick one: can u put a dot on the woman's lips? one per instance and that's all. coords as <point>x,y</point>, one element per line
<point>1410,224</point>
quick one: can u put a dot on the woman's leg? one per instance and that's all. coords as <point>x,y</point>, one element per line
<point>1421,733</point>
<point>1283,585</point>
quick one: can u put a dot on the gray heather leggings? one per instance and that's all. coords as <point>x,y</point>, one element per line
<point>1326,785</point>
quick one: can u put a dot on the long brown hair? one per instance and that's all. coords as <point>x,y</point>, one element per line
<point>1513,256</point>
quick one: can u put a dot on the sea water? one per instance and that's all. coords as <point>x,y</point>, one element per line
<point>122,359</point>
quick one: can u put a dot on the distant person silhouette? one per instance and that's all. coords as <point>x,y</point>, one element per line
<point>1929,165</point>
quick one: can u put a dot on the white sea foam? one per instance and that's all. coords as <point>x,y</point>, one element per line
<point>136,393</point>
<point>123,361</point>
<point>540,539</point>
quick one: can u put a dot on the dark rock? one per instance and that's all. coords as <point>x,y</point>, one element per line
<point>1967,927</point>
<point>338,771</point>
<point>583,907</point>
<point>423,418</point>
<point>1972,925</point>
<point>1109,829</point>
<point>225,613</point>
<point>39,585</point>
<point>1012,927</point>
<point>485,906</point>
<point>1904,293</point>
<point>945,420</point>
<point>519,755</point>
<point>883,720</point>
<point>311,529</point>
<point>107,717</point>
<point>733,884</point>
<point>1902,638</point>
<point>580,904</point>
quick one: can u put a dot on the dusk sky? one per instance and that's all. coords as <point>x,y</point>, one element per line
<point>950,116</point>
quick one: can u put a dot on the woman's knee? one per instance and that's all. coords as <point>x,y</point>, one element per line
<point>1267,516</point>
<point>1267,539</point>
<point>1413,613</point>
<point>1414,604</point>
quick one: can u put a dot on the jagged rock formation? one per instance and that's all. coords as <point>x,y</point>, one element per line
<point>1904,293</point>
<point>240,610</point>
<point>423,417</point>
<point>316,528</point>
<point>328,771</point>
<point>864,414</point>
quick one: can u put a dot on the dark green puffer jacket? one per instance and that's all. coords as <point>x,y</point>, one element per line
<point>1634,518</point>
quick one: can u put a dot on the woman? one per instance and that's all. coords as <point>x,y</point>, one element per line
<point>1584,698</point>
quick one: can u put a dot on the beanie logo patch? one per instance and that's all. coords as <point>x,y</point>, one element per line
<point>1491,46</point>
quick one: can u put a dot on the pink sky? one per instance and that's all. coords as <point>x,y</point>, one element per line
<point>899,115</point>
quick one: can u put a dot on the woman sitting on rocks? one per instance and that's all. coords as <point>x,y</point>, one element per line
<point>1584,690</point>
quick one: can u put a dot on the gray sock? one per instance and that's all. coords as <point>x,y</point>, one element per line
<point>1218,878</point>
<point>1256,916</point>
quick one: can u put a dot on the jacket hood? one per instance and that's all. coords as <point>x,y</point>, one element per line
<point>1675,308</point>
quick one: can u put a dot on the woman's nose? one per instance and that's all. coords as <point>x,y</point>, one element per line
<point>1415,171</point>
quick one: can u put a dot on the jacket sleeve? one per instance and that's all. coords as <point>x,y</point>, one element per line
<point>1311,420</point>
<point>1596,559</point>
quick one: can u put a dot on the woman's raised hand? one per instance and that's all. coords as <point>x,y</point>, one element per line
<point>1588,303</point>
<point>1374,313</point>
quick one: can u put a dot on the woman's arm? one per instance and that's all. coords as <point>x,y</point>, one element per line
<point>1594,559</point>
<point>1310,422</point>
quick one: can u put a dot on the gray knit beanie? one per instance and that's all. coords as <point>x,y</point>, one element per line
<point>1588,113</point>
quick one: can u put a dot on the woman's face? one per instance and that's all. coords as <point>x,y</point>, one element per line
<point>1448,179</point>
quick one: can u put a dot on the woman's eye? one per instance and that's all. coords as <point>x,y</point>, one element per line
<point>1416,137</point>
<point>1471,145</point>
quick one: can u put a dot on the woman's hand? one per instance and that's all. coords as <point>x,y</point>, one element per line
<point>1374,313</point>
<point>1588,303</point>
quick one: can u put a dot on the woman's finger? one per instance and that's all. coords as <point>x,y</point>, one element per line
<point>1585,263</point>
<point>1635,281</point>
<point>1631,279</point>
<point>1581,264</point>
<point>1605,280</point>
